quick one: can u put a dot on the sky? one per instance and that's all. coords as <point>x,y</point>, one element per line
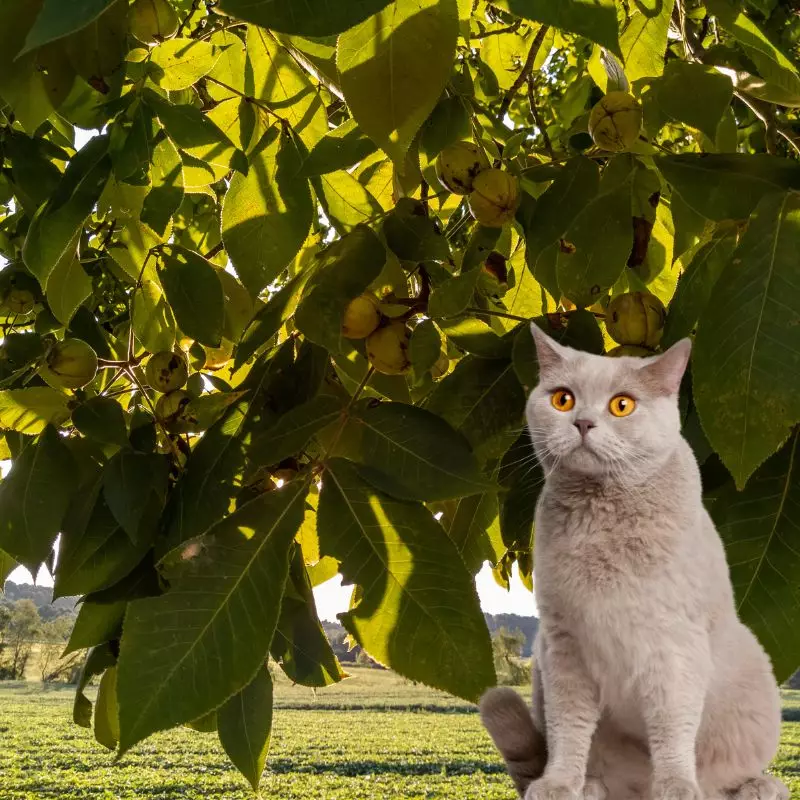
<point>333,598</point>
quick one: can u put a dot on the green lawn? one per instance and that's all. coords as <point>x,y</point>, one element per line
<point>374,736</point>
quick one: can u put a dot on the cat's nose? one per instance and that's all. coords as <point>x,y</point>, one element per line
<point>584,426</point>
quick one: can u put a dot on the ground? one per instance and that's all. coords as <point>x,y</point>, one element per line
<point>374,736</point>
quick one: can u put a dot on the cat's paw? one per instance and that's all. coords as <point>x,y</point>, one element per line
<point>594,789</point>
<point>764,787</point>
<point>676,789</point>
<point>546,789</point>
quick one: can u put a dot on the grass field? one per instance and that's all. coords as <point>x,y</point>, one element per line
<point>374,736</point>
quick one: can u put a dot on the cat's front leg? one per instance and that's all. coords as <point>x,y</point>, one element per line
<point>572,711</point>
<point>673,698</point>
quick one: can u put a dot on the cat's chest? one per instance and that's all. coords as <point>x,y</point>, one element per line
<point>597,545</point>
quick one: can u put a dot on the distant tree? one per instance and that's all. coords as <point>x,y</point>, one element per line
<point>507,646</point>
<point>22,626</point>
<point>53,667</point>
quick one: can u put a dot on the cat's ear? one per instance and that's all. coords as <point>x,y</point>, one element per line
<point>665,372</point>
<point>549,353</point>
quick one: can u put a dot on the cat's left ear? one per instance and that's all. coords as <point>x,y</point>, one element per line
<point>665,372</point>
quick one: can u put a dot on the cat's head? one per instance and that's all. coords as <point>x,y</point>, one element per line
<point>603,416</point>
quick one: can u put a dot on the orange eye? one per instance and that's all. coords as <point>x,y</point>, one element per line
<point>622,405</point>
<point>562,400</point>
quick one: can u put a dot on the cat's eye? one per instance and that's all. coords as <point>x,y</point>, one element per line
<point>562,400</point>
<point>622,405</point>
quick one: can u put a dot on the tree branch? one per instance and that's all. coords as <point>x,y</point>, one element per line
<point>525,72</point>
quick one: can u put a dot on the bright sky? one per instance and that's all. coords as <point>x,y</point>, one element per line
<point>333,598</point>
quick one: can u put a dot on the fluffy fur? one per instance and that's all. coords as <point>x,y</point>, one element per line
<point>646,685</point>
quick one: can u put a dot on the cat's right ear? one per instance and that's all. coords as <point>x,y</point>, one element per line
<point>549,353</point>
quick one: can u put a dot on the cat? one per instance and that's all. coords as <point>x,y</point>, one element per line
<point>646,685</point>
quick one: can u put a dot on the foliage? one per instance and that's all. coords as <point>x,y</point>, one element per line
<point>412,742</point>
<point>508,646</point>
<point>19,626</point>
<point>252,171</point>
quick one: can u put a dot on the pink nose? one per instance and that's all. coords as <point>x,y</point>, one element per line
<point>584,426</point>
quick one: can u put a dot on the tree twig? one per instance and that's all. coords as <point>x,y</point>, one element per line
<point>250,99</point>
<point>525,72</point>
<point>537,119</point>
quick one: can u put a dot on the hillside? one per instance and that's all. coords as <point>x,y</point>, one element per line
<point>42,596</point>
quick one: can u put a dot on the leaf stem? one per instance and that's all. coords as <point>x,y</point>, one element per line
<point>346,413</point>
<point>250,99</point>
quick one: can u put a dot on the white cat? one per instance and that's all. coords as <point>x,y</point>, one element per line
<point>646,684</point>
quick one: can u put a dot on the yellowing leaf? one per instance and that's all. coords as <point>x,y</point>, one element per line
<point>644,38</point>
<point>394,67</point>
<point>180,63</point>
<point>275,78</point>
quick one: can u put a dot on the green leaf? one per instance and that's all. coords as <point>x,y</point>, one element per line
<point>166,196</point>
<point>30,410</point>
<point>350,265</point>
<point>106,719</point>
<point>153,320</point>
<point>744,384</point>
<point>267,214</point>
<point>576,184</point>
<point>97,623</point>
<point>292,432</point>
<point>300,645</point>
<point>213,474</point>
<point>7,566</point>
<point>425,347</point>
<point>477,337</point>
<point>412,454</point>
<point>268,321</point>
<point>56,20</point>
<point>57,222</point>
<point>192,130</point>
<point>195,294</point>
<point>475,531</point>
<point>345,201</point>
<point>102,419</point>
<point>394,67</point>
<point>244,724</point>
<point>703,107</point>
<point>453,296</point>
<point>315,18</point>
<point>34,497</point>
<point>643,42</point>
<point>522,477</point>
<point>448,123</point>
<point>67,287</point>
<point>417,611</point>
<point>412,235</point>
<point>727,186</point>
<point>759,528</point>
<point>275,78</point>
<point>484,401</point>
<point>135,488</point>
<point>594,19</point>
<point>598,244</point>
<point>704,264</point>
<point>780,73</point>
<point>97,661</point>
<point>338,149</point>
<point>95,552</point>
<point>179,63</point>
<point>240,567</point>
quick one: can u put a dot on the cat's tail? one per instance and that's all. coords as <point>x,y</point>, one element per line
<point>509,722</point>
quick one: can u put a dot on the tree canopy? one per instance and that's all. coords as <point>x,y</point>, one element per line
<point>270,321</point>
